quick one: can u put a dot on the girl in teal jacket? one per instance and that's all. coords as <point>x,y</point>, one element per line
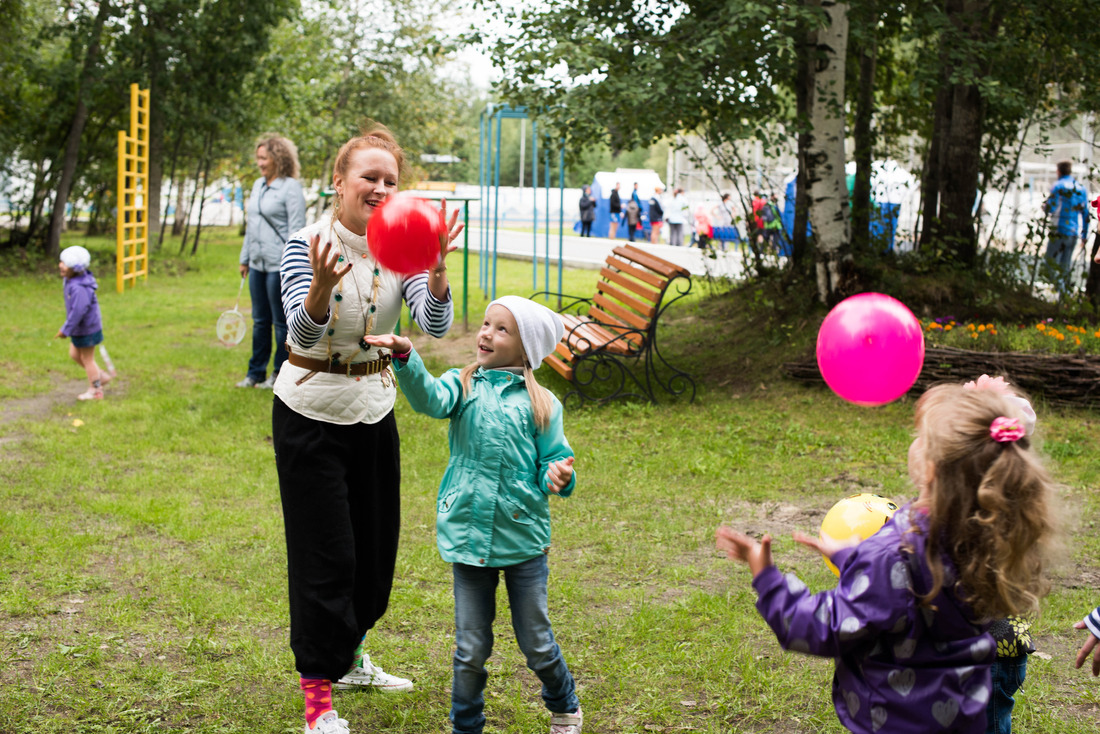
<point>508,455</point>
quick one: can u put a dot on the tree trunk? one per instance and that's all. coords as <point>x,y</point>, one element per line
<point>76,130</point>
<point>975,23</point>
<point>156,163</point>
<point>825,155</point>
<point>803,81</point>
<point>933,166</point>
<point>202,196</point>
<point>180,217</point>
<point>959,185</point>
<point>171,181</point>
<point>864,136</point>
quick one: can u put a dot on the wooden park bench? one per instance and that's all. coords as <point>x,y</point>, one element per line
<point>610,345</point>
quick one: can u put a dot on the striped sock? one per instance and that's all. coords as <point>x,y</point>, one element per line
<point>318,693</point>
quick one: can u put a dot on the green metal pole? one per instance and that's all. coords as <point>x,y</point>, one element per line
<point>466,266</point>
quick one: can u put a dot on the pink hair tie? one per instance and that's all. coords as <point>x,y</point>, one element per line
<point>1006,430</point>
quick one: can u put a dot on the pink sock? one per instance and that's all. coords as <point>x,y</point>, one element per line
<point>318,692</point>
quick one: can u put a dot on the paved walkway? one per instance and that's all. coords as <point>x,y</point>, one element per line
<point>592,251</point>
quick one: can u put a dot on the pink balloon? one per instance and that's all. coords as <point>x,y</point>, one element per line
<point>870,349</point>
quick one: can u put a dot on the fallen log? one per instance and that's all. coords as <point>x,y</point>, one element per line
<point>1063,379</point>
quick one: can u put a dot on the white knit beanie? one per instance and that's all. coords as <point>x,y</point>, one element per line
<point>540,329</point>
<point>76,258</point>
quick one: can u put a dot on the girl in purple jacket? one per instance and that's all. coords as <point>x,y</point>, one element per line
<point>908,621</point>
<point>83,323</point>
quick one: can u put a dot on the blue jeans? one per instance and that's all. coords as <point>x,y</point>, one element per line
<point>1008,676</point>
<point>267,310</point>
<point>475,609</point>
<point>1060,251</point>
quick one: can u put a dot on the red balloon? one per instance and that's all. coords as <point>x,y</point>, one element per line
<point>403,234</point>
<point>870,349</point>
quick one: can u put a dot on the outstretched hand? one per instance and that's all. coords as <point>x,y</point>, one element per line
<point>825,544</point>
<point>559,473</point>
<point>741,547</point>
<point>448,231</point>
<point>394,342</point>
<point>1089,646</point>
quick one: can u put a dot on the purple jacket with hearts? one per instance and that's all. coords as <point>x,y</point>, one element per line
<point>900,667</point>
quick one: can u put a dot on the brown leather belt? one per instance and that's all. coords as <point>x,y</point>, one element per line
<point>373,367</point>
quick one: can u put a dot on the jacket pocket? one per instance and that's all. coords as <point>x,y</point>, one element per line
<point>517,511</point>
<point>447,501</point>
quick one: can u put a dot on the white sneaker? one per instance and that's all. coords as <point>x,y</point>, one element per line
<point>267,384</point>
<point>329,723</point>
<point>247,382</point>
<point>566,723</point>
<point>368,675</point>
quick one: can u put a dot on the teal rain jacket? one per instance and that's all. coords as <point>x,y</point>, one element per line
<point>493,506</point>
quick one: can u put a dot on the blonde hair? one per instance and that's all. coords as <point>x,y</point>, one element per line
<point>542,402</point>
<point>989,503</point>
<point>283,152</point>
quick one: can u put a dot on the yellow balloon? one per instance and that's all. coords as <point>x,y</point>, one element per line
<point>860,515</point>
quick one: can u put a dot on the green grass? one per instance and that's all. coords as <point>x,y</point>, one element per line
<point>142,566</point>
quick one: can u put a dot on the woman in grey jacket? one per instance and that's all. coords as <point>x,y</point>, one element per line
<point>276,210</point>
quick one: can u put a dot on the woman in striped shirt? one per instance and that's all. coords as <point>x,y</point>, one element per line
<point>335,437</point>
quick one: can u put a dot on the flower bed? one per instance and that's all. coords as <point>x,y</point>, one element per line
<point>1045,336</point>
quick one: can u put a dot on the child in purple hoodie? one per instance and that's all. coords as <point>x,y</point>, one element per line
<point>83,323</point>
<point>908,621</point>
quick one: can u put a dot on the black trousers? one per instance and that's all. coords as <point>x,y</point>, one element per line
<point>340,487</point>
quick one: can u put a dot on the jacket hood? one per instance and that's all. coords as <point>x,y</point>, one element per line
<point>84,280</point>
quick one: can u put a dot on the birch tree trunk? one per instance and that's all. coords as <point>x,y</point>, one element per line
<point>825,154</point>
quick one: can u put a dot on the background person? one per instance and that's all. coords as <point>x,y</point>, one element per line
<point>1068,208</point>
<point>588,211</point>
<point>675,215</point>
<point>337,449</point>
<point>615,209</point>
<point>633,217</point>
<point>276,210</point>
<point>83,321</point>
<point>656,215</point>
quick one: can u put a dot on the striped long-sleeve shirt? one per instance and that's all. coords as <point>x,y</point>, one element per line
<point>338,398</point>
<point>1093,622</point>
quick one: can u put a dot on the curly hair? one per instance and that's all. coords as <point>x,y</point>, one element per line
<point>283,152</point>
<point>989,503</point>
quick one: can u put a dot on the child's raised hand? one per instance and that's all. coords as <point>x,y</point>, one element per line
<point>825,544</point>
<point>393,342</point>
<point>1089,646</point>
<point>741,547</point>
<point>559,473</point>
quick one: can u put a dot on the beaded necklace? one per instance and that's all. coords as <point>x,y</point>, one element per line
<point>370,306</point>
